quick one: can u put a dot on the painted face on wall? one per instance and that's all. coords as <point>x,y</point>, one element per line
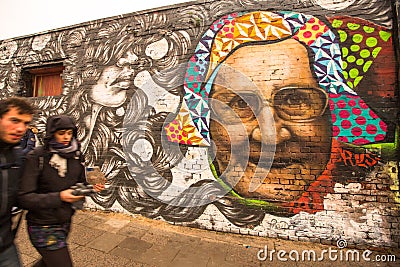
<point>285,100</point>
<point>114,81</point>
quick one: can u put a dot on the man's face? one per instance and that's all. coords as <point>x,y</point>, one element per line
<point>280,106</point>
<point>13,126</point>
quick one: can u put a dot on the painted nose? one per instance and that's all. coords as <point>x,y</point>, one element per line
<point>127,72</point>
<point>270,129</point>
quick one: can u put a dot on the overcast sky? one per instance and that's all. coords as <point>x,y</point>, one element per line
<point>22,17</point>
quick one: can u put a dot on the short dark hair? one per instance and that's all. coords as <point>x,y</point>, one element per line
<point>22,105</point>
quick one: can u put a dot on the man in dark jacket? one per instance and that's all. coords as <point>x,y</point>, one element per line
<point>15,116</point>
<point>28,141</point>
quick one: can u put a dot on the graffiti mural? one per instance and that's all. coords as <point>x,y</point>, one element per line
<point>258,117</point>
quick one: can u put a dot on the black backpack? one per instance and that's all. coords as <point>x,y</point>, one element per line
<point>19,160</point>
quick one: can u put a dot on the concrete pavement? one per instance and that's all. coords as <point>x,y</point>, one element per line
<point>112,239</point>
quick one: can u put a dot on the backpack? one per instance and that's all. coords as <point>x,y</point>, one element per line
<point>15,212</point>
<point>19,159</point>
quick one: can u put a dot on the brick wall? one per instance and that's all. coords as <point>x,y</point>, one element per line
<point>270,118</point>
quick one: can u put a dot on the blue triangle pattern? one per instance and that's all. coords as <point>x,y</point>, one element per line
<point>192,102</point>
<point>204,110</point>
<point>295,20</point>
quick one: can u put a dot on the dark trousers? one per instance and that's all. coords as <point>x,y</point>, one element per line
<point>50,258</point>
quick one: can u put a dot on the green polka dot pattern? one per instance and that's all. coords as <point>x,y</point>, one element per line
<point>360,46</point>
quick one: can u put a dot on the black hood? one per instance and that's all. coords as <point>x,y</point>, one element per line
<point>59,122</point>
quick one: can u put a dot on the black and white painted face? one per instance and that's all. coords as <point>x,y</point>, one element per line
<point>114,81</point>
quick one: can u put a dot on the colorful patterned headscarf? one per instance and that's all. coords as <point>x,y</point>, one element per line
<point>352,119</point>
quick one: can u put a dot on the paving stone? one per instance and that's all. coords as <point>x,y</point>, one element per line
<point>106,242</point>
<point>79,217</point>
<point>82,235</point>
<point>155,239</point>
<point>124,253</point>
<point>91,257</point>
<point>140,224</point>
<point>133,243</point>
<point>93,221</point>
<point>160,254</point>
<point>238,253</point>
<point>189,254</point>
<point>129,230</point>
<point>115,224</point>
<point>185,239</point>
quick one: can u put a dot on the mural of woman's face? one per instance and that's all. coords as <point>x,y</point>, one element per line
<point>285,99</point>
<point>114,81</point>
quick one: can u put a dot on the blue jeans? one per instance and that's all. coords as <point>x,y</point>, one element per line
<point>10,258</point>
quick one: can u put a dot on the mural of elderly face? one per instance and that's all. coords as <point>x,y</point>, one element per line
<point>295,103</point>
<point>242,66</point>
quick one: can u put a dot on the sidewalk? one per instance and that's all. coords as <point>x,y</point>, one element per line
<point>104,239</point>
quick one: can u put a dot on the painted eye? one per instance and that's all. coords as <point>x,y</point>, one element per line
<point>122,62</point>
<point>244,104</point>
<point>296,100</point>
<point>239,104</point>
<point>235,108</point>
<point>300,103</point>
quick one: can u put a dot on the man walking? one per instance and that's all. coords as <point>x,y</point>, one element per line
<point>15,116</point>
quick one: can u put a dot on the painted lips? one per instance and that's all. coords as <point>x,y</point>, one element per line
<point>121,81</point>
<point>278,163</point>
<point>124,85</point>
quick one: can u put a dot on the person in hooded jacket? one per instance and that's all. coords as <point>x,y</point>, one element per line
<point>28,141</point>
<point>45,190</point>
